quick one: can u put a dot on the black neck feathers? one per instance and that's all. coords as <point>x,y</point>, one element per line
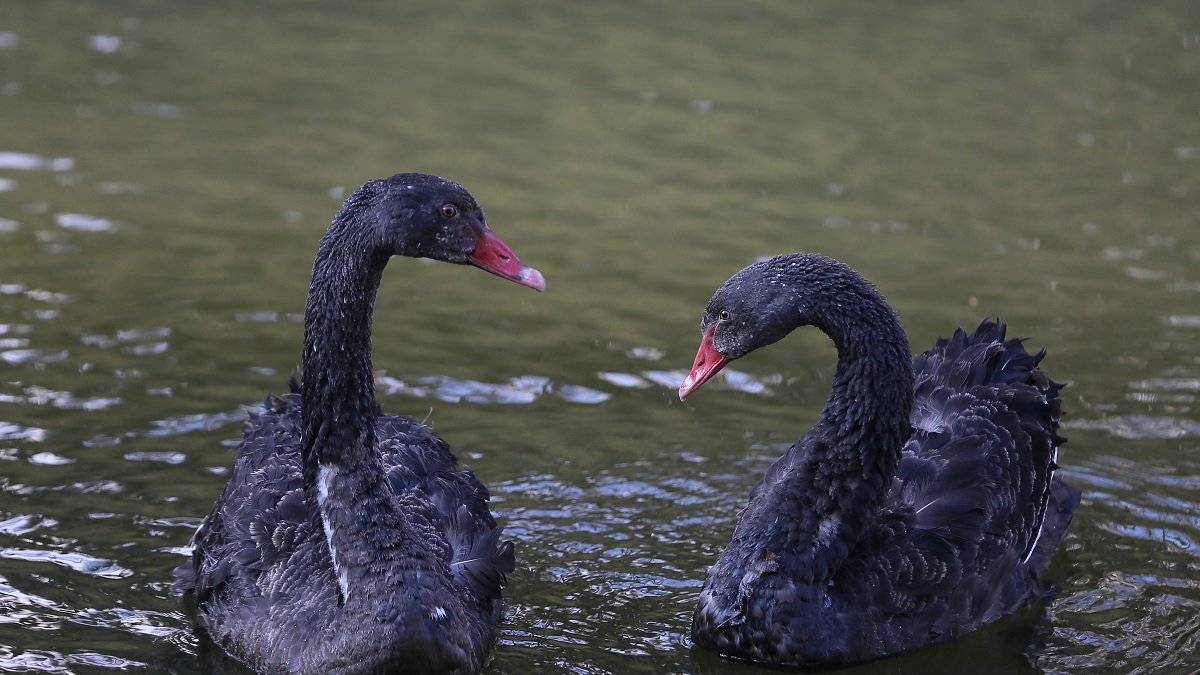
<point>831,482</point>
<point>845,465</point>
<point>338,402</point>
<point>867,412</point>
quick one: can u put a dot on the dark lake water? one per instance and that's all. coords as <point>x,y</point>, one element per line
<point>166,170</point>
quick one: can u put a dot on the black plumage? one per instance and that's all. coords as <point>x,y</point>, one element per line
<point>922,504</point>
<point>347,541</point>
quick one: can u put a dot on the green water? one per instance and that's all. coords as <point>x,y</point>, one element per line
<point>176,162</point>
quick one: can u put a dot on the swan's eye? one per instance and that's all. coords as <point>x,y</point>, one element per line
<point>449,211</point>
<point>724,315</point>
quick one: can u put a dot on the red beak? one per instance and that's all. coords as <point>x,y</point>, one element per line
<point>493,255</point>
<point>708,362</point>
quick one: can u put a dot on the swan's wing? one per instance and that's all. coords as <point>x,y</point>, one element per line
<point>418,460</point>
<point>986,442</point>
<point>261,519</point>
<point>953,544</point>
<point>978,470</point>
<point>262,535</point>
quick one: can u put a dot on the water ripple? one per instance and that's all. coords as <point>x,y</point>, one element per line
<point>24,524</point>
<point>98,660</point>
<point>646,353</point>
<point>16,432</point>
<point>79,562</point>
<point>105,44</point>
<point>1143,274</point>
<point>154,336</point>
<point>62,400</point>
<point>1139,426</point>
<point>671,379</point>
<point>136,621</point>
<point>48,296</point>
<point>729,378</point>
<point>157,109</point>
<point>263,316</point>
<point>148,349</point>
<point>1167,384</point>
<point>188,424</point>
<point>1164,535</point>
<point>623,380</point>
<point>15,328</point>
<point>102,486</point>
<point>49,615</point>
<point>19,357</point>
<point>520,390</point>
<point>49,459</point>
<point>23,161</point>
<point>32,661</point>
<point>45,661</point>
<point>162,457</point>
<point>84,222</point>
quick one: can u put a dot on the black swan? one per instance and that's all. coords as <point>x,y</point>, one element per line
<point>922,504</point>
<point>348,541</point>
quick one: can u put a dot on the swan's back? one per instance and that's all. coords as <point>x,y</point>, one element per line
<point>975,512</point>
<point>265,585</point>
<point>979,468</point>
<point>971,519</point>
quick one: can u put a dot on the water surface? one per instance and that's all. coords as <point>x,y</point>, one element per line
<point>166,170</point>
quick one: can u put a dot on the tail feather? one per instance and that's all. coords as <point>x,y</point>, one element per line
<point>1064,498</point>
<point>184,577</point>
<point>480,556</point>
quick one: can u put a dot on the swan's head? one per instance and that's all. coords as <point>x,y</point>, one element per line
<point>756,307</point>
<point>425,216</point>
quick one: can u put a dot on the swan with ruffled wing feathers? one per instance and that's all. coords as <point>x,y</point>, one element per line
<point>922,504</point>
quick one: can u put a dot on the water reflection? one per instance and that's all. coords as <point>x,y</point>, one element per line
<point>54,662</point>
<point>520,390</point>
<point>75,561</point>
<point>23,161</point>
<point>1139,426</point>
<point>84,222</point>
<point>15,432</point>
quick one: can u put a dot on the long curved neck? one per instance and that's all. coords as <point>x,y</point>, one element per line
<point>837,474</point>
<point>866,417</point>
<point>338,407</point>
<point>343,473</point>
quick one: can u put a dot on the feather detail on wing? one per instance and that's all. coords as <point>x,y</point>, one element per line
<point>258,532</point>
<point>979,468</point>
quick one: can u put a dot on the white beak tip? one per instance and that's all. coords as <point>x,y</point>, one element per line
<point>532,278</point>
<point>686,387</point>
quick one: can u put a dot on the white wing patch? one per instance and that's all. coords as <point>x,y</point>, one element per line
<point>325,476</point>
